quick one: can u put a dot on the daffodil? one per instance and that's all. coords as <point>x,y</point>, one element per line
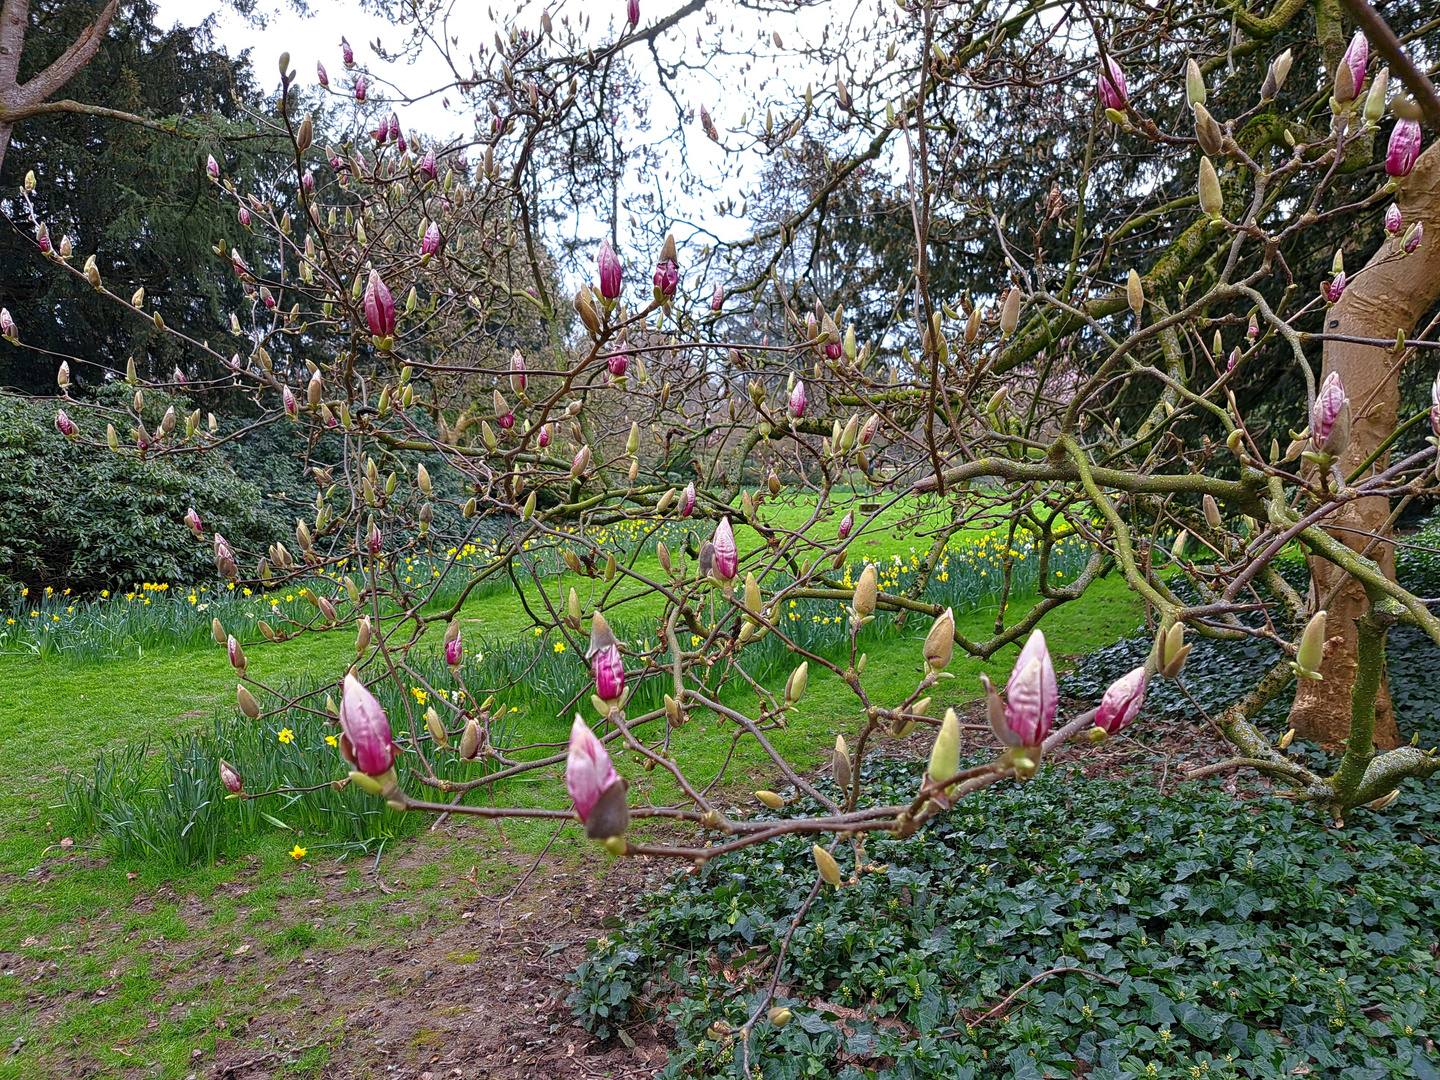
<point>297,853</point>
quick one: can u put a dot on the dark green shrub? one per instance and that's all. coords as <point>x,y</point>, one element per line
<point>74,516</point>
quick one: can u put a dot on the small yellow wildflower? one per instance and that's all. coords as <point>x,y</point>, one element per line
<point>286,736</point>
<point>297,853</point>
<point>559,646</point>
<point>331,740</point>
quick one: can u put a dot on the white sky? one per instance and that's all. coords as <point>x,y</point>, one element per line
<point>727,93</point>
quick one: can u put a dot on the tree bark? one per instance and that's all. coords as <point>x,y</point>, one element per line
<point>1381,301</point>
<point>17,101</point>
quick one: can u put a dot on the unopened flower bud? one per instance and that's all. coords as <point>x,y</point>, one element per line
<point>247,702</point>
<point>826,864</point>
<point>230,777</point>
<point>1311,653</point>
<point>939,644</point>
<point>866,592</point>
<point>795,685</point>
<point>945,754</point>
<point>770,799</point>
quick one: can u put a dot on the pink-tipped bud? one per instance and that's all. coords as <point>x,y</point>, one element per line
<point>1435,406</point>
<point>1357,56</point>
<point>361,88</point>
<point>727,555</point>
<point>1404,148</point>
<point>611,272</point>
<point>687,500</point>
<point>1122,701</point>
<point>292,407</point>
<point>65,425</point>
<point>244,216</point>
<point>518,382</point>
<point>1113,90</point>
<point>430,244</point>
<point>1413,236</point>
<point>608,668</point>
<point>797,399</point>
<point>366,729</point>
<point>1394,220</point>
<point>617,364</point>
<point>379,307</point>
<point>1330,416</point>
<point>580,462</point>
<point>1333,290</point>
<point>590,775</point>
<point>717,301</point>
<point>308,181</point>
<point>42,239</point>
<point>1032,693</point>
<point>632,12</point>
<point>504,416</point>
<point>544,438</point>
<point>236,654</point>
<point>322,75</point>
<point>193,523</point>
<point>847,523</point>
<point>427,165</point>
<point>373,540</point>
<point>8,330</point>
<point>230,777</point>
<point>667,269</point>
<point>454,651</point>
<point>212,170</point>
<point>347,53</point>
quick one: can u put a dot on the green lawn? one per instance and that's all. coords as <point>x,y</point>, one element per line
<point>118,925</point>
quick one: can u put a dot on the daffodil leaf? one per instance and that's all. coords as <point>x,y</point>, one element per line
<point>275,821</point>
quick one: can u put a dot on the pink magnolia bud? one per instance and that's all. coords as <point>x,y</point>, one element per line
<point>42,239</point>
<point>222,548</point>
<point>321,74</point>
<point>1356,57</point>
<point>632,12</point>
<point>504,416</point>
<point>1333,290</point>
<point>618,364</point>
<point>1413,236</point>
<point>1435,406</point>
<point>394,126</point>
<point>400,143</point>
<point>1394,220</point>
<point>347,52</point>
<point>212,170</point>
<point>518,381</point>
<point>846,524</point>
<point>833,350</point>
<point>1113,90</point>
<point>1330,415</point>
<point>589,772</point>
<point>868,431</point>
<point>797,399</point>
<point>1122,702</point>
<point>611,272</point>
<point>192,522</point>
<point>308,181</point>
<point>381,133</point>
<point>427,165</point>
<point>727,555</point>
<point>430,245</point>
<point>717,301</point>
<point>292,407</point>
<point>580,462</point>
<point>667,269</point>
<point>8,330</point>
<point>379,307</point>
<point>230,777</point>
<point>244,215</point>
<point>366,729</point>
<point>1404,149</point>
<point>544,439</point>
<point>454,651</point>
<point>236,654</point>
<point>687,500</point>
<point>361,88</point>
<point>608,668</point>
<point>65,425</point>
<point>373,540</point>
<point>1032,693</point>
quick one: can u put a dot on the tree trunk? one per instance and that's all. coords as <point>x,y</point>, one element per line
<point>1382,300</point>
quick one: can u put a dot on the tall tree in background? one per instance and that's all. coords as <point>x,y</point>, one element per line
<point>117,180</point>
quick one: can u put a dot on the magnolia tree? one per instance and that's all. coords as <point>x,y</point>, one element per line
<point>389,281</point>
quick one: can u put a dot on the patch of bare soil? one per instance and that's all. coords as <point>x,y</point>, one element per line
<point>477,992</point>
